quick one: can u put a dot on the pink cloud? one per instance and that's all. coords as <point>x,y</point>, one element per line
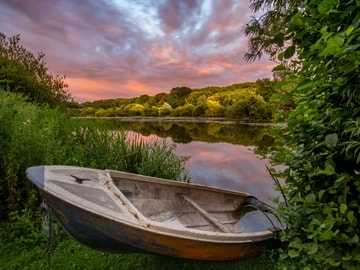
<point>122,49</point>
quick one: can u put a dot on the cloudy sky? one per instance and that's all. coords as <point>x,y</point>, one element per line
<point>126,48</point>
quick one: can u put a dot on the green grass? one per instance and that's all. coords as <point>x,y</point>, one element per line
<point>68,254</point>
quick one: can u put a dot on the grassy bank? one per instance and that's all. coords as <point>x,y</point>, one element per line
<point>32,135</point>
<point>70,255</point>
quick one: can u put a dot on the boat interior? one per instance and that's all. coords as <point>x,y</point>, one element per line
<point>193,208</point>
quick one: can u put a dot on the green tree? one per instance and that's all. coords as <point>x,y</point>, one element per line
<point>265,88</point>
<point>184,111</point>
<point>165,109</point>
<point>319,41</point>
<point>151,111</point>
<point>252,108</point>
<point>177,96</point>
<point>87,111</point>
<point>160,99</point>
<point>142,99</point>
<point>135,109</point>
<point>100,112</point>
<point>22,72</point>
<point>199,110</point>
<point>214,109</point>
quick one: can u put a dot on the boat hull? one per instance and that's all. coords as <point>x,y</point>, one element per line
<point>108,234</point>
<point>97,232</point>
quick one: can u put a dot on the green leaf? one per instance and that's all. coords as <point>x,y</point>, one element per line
<point>326,235</point>
<point>324,29</point>
<point>355,239</point>
<point>329,169</point>
<point>349,30</point>
<point>279,68</point>
<point>293,253</point>
<point>289,52</point>
<point>333,45</point>
<point>343,208</point>
<point>340,181</point>
<point>331,140</point>
<point>280,57</point>
<point>351,217</point>
<point>279,39</point>
<point>332,262</point>
<point>326,5</point>
<point>305,85</point>
<point>312,248</point>
<point>310,198</point>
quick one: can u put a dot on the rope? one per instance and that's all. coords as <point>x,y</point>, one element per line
<point>48,230</point>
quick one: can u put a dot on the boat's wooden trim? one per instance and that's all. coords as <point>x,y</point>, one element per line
<point>205,214</point>
<point>131,208</point>
<point>144,178</point>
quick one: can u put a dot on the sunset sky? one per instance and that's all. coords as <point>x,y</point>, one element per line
<point>126,48</point>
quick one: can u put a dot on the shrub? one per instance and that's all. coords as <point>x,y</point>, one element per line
<point>22,72</point>
<point>214,109</point>
<point>184,111</point>
<point>319,42</point>
<point>165,109</point>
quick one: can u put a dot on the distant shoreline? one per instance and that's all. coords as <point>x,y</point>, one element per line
<point>221,120</point>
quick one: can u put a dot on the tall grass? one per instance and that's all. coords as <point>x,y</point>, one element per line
<point>96,146</point>
<point>30,135</point>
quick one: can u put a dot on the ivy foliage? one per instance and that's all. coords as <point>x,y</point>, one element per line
<point>320,41</point>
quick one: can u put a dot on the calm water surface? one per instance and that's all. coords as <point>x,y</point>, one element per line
<point>228,166</point>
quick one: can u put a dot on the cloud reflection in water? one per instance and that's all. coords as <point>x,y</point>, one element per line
<point>225,165</point>
<point>228,166</point>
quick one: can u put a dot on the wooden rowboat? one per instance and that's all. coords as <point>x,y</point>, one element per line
<point>120,212</point>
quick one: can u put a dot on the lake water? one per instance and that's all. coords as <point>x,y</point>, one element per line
<point>221,152</point>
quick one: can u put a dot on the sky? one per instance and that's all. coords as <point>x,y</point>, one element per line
<point>126,48</point>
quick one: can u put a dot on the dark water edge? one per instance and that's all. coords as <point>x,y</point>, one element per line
<point>222,120</point>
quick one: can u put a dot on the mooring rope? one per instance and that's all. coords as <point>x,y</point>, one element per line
<point>48,230</point>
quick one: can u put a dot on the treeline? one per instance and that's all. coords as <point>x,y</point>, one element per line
<point>24,73</point>
<point>250,101</point>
